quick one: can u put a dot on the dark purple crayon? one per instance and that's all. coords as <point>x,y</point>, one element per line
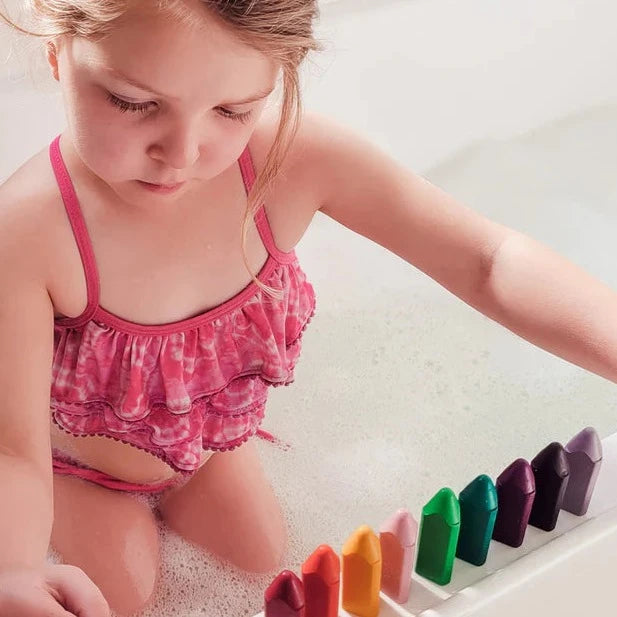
<point>551,471</point>
<point>516,490</point>
<point>584,454</point>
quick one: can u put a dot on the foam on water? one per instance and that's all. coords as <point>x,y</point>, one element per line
<point>402,388</point>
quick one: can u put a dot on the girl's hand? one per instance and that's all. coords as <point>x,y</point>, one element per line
<point>54,590</point>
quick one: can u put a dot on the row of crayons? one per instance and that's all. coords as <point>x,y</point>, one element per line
<point>524,494</point>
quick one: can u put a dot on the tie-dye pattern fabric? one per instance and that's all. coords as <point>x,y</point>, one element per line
<point>176,389</point>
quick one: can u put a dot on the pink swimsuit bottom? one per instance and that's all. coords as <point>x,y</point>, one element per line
<point>65,465</point>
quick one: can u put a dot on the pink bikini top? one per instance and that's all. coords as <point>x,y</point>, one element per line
<point>175,389</point>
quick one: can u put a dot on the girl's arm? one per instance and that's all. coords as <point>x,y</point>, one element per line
<point>553,303</point>
<point>26,353</point>
<point>506,275</point>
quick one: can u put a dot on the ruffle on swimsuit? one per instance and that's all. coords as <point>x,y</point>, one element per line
<point>177,389</point>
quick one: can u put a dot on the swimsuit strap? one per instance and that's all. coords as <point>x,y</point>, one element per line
<point>73,209</point>
<point>261,218</point>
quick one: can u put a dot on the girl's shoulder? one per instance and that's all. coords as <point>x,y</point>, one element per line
<point>310,172</point>
<point>296,193</point>
<point>301,167</point>
<point>30,207</point>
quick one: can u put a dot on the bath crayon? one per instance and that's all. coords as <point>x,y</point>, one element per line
<point>285,596</point>
<point>516,491</point>
<point>439,530</point>
<point>362,573</point>
<point>478,505</point>
<point>321,575</point>
<point>551,472</point>
<point>584,454</point>
<point>397,537</point>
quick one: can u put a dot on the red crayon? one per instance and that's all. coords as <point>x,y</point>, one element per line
<point>321,574</point>
<point>285,596</point>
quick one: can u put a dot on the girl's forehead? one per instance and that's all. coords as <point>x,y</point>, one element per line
<point>150,30</point>
<point>169,56</point>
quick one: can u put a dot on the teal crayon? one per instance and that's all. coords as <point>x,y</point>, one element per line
<point>478,504</point>
<point>439,531</point>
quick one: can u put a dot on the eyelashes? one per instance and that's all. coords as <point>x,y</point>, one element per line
<point>124,106</point>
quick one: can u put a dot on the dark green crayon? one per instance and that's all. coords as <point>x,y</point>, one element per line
<point>478,504</point>
<point>439,529</point>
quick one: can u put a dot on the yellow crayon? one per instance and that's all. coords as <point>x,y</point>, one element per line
<point>362,573</point>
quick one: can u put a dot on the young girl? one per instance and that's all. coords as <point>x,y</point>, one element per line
<point>148,269</point>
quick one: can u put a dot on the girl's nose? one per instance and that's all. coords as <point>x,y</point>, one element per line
<point>179,149</point>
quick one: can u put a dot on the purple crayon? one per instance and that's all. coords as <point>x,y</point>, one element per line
<point>584,453</point>
<point>516,490</point>
<point>551,470</point>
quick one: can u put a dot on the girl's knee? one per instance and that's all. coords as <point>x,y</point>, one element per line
<point>266,551</point>
<point>112,537</point>
<point>132,589</point>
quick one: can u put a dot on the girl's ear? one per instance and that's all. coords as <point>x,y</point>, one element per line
<point>52,58</point>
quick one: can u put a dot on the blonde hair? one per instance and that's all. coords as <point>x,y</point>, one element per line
<point>280,29</point>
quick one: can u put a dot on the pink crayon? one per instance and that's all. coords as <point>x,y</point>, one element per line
<point>397,537</point>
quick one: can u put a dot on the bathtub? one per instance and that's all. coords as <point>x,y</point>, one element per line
<point>512,108</point>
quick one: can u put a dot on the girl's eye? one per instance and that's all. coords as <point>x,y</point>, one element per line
<point>143,107</point>
<point>126,106</point>
<point>240,117</point>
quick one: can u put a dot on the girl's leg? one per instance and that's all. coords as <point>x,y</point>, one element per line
<point>111,536</point>
<point>229,507</point>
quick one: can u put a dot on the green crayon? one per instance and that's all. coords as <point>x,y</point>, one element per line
<point>478,503</point>
<point>439,529</point>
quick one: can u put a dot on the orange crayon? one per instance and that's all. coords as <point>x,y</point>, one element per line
<point>321,575</point>
<point>362,573</point>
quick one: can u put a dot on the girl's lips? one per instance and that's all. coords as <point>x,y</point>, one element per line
<point>160,188</point>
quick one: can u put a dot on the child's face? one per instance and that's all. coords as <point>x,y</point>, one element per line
<point>200,75</point>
